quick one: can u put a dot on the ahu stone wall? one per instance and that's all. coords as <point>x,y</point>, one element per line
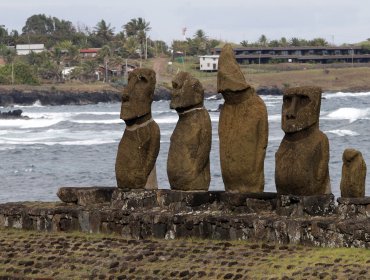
<point>268,217</point>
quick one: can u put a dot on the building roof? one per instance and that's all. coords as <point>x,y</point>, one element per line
<point>92,50</point>
<point>210,56</point>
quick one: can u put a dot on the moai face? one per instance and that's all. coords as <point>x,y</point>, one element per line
<point>138,95</point>
<point>230,79</point>
<point>301,108</point>
<point>187,92</point>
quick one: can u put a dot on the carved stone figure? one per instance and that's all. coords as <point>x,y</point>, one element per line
<point>301,162</point>
<point>353,174</point>
<point>243,128</point>
<point>188,158</point>
<point>139,146</point>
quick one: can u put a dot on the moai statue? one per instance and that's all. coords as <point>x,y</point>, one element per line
<point>353,174</point>
<point>139,146</point>
<point>301,162</point>
<point>188,158</point>
<point>243,128</point>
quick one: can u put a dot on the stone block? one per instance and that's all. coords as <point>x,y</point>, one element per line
<point>358,207</point>
<point>134,199</point>
<point>316,205</point>
<point>85,196</point>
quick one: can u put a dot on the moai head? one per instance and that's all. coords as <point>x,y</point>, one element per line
<point>301,108</point>
<point>138,95</point>
<point>230,79</point>
<point>187,92</point>
<point>353,174</point>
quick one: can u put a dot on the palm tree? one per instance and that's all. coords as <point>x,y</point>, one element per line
<point>104,31</point>
<point>244,43</point>
<point>136,25</point>
<point>263,40</point>
<point>138,28</point>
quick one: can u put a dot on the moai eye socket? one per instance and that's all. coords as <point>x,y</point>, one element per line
<point>175,85</point>
<point>142,78</point>
<point>287,100</point>
<point>304,100</point>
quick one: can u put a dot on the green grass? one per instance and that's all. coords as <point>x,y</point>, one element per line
<point>79,255</point>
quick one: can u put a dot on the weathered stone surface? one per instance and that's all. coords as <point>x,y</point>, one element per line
<point>349,208</point>
<point>243,128</point>
<point>139,146</point>
<point>188,165</point>
<point>301,162</point>
<point>353,179</point>
<point>85,196</point>
<point>223,222</point>
<point>314,205</point>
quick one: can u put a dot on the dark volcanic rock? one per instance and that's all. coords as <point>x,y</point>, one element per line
<point>15,114</point>
<point>57,97</point>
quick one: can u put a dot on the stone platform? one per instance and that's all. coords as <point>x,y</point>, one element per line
<point>313,220</point>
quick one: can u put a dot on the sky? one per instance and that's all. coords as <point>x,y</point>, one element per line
<point>337,21</point>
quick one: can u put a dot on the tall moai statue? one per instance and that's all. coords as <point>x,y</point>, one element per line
<point>139,146</point>
<point>188,166</point>
<point>353,174</point>
<point>301,162</point>
<point>243,128</point>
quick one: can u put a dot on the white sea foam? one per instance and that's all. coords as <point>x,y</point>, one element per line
<point>28,123</point>
<point>345,94</point>
<point>351,114</point>
<point>114,121</point>
<point>343,132</point>
<point>173,119</point>
<point>37,103</point>
<point>274,118</point>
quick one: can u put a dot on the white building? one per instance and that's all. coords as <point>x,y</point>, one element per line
<point>208,62</point>
<point>28,48</point>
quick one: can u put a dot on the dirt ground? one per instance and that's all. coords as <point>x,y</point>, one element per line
<point>35,255</point>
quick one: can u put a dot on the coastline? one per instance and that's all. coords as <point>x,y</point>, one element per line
<point>53,95</point>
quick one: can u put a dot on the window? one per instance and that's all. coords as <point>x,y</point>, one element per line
<point>208,64</point>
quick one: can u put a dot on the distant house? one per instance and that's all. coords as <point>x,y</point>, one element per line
<point>208,62</point>
<point>25,49</point>
<point>89,53</point>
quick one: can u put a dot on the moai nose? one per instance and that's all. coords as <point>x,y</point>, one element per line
<point>292,110</point>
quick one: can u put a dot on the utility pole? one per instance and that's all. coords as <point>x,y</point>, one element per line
<point>146,48</point>
<point>12,72</point>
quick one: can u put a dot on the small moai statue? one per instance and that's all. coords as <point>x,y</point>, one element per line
<point>243,128</point>
<point>353,174</point>
<point>188,166</point>
<point>139,146</point>
<point>301,162</point>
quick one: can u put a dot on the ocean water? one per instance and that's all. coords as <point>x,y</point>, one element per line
<point>76,145</point>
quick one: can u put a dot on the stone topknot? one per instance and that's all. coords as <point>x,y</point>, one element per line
<point>229,76</point>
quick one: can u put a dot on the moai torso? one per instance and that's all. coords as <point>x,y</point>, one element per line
<point>188,166</point>
<point>243,129</point>
<point>139,146</point>
<point>353,174</point>
<point>301,162</point>
<point>243,133</point>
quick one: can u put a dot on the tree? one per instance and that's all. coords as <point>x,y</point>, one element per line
<point>4,36</point>
<point>318,42</point>
<point>38,24</point>
<point>138,28</point>
<point>104,31</point>
<point>263,41</point>
<point>244,43</point>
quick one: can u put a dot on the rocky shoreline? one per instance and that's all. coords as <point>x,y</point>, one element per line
<point>13,97</point>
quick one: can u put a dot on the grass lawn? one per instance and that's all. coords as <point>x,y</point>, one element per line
<point>30,254</point>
